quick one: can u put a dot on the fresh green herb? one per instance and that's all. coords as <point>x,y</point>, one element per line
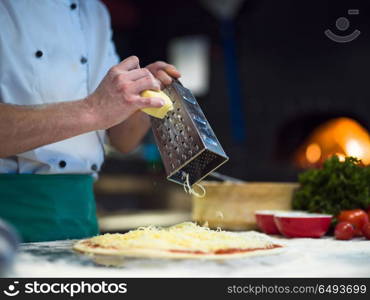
<point>337,186</point>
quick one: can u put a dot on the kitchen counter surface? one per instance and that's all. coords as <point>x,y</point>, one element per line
<point>324,257</point>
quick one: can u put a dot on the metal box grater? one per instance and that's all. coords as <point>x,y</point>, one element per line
<point>185,139</point>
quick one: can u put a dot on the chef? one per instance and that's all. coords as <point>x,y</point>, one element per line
<point>63,94</point>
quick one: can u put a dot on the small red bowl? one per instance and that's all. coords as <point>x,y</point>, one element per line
<point>265,221</point>
<point>298,224</point>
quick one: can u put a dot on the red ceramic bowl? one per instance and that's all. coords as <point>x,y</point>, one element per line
<point>298,224</point>
<point>265,221</point>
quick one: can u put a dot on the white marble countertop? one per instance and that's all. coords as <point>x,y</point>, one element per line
<point>323,257</point>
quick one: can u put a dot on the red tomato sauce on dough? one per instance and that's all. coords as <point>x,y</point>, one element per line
<point>224,251</point>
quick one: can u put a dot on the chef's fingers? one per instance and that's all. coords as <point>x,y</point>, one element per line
<point>172,71</point>
<point>163,77</point>
<point>138,74</point>
<point>128,64</point>
<point>149,102</point>
<point>146,83</point>
<point>154,67</point>
<point>168,68</point>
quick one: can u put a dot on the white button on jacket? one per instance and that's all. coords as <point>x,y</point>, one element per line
<point>52,51</point>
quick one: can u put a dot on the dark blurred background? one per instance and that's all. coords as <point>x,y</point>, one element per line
<point>271,77</point>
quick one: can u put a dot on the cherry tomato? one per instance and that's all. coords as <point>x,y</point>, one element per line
<point>366,231</point>
<point>344,231</point>
<point>357,217</point>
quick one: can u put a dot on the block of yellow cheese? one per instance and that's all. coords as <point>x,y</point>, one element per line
<point>158,112</point>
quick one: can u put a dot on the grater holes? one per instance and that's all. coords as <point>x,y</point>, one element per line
<point>179,126</point>
<point>197,168</point>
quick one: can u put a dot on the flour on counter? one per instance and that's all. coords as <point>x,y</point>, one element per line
<point>323,257</point>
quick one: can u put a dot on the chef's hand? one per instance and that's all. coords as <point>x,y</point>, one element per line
<point>163,72</point>
<point>118,95</point>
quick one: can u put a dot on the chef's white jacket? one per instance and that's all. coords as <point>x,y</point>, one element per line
<point>52,51</point>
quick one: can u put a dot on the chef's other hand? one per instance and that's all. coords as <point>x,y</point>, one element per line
<point>164,72</point>
<point>118,95</point>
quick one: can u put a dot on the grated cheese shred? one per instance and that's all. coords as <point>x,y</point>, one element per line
<point>184,236</point>
<point>189,189</point>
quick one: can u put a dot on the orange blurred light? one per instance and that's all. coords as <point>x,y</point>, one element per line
<point>313,153</point>
<point>355,148</point>
<point>340,156</point>
<point>342,137</point>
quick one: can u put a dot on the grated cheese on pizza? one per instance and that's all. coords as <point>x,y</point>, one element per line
<point>186,236</point>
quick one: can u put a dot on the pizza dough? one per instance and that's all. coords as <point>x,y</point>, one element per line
<point>182,241</point>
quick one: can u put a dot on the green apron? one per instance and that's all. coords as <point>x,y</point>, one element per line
<point>49,207</point>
